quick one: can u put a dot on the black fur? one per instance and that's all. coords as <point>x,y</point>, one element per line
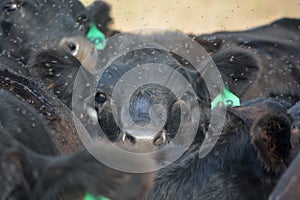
<point>29,176</point>
<point>100,13</point>
<point>35,24</point>
<point>25,123</point>
<point>29,109</point>
<point>234,168</point>
<point>57,70</point>
<point>276,45</point>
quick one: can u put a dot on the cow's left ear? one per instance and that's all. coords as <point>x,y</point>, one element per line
<point>99,13</point>
<point>270,136</point>
<point>239,68</point>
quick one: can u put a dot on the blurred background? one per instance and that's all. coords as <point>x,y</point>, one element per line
<point>199,16</point>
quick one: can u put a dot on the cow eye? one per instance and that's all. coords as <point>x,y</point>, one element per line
<point>100,98</point>
<point>11,7</point>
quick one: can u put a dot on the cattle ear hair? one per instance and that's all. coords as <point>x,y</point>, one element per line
<point>270,136</point>
<point>99,13</point>
<point>239,68</point>
<point>210,45</point>
<point>45,65</point>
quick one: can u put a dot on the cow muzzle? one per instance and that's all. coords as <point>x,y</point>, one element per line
<point>83,50</point>
<point>144,139</point>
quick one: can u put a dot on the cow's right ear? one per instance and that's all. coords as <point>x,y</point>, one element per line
<point>239,68</point>
<point>53,67</point>
<point>270,136</point>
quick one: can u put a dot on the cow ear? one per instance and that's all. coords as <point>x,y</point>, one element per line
<point>210,45</point>
<point>239,68</point>
<point>270,136</point>
<point>50,65</point>
<point>55,69</point>
<point>99,13</point>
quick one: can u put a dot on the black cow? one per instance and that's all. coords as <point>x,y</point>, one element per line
<point>248,159</point>
<point>277,45</point>
<point>237,75</point>
<point>252,152</point>
<point>58,73</point>
<point>29,25</point>
<point>29,176</point>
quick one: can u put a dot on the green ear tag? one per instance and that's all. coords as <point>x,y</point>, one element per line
<point>96,37</point>
<point>228,100</point>
<point>91,197</point>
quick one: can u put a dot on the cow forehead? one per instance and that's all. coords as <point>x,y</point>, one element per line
<point>40,20</point>
<point>125,63</point>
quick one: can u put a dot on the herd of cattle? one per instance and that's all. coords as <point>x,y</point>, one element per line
<point>44,44</point>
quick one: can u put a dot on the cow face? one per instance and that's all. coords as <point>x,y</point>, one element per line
<point>237,66</point>
<point>27,25</point>
<point>142,101</point>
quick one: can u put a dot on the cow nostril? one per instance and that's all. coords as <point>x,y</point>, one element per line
<point>161,139</point>
<point>125,137</point>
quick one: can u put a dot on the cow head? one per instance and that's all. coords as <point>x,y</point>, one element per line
<point>238,67</point>
<point>27,25</point>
